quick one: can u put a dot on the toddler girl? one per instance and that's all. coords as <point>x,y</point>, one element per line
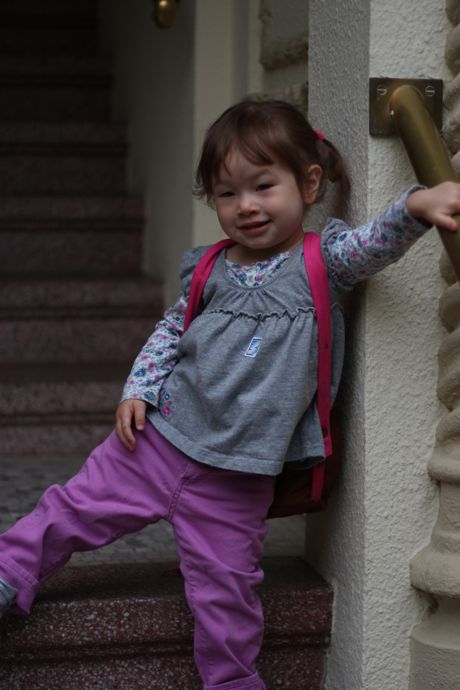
<point>209,416</point>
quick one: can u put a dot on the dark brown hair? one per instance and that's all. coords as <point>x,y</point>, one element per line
<point>265,132</point>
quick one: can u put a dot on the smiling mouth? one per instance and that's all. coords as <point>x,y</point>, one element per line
<point>254,228</point>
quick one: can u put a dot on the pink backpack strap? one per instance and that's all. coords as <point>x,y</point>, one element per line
<point>200,277</point>
<point>319,287</point>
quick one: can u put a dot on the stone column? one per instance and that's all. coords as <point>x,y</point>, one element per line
<point>385,506</point>
<point>435,642</point>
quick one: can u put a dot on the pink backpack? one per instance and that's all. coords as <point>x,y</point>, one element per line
<point>296,491</point>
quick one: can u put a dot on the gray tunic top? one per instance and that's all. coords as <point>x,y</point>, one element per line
<point>241,394</point>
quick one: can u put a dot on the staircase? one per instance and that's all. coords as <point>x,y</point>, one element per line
<point>74,307</point>
<point>74,311</point>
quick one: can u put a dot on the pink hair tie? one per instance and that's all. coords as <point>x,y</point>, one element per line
<point>319,135</point>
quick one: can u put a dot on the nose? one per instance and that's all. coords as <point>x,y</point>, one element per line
<point>247,204</point>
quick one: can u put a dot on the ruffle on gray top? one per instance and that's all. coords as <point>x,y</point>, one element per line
<point>241,395</point>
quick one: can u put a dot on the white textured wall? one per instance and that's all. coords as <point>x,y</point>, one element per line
<point>386,505</point>
<point>338,71</point>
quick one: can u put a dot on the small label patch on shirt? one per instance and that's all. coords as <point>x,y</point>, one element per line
<point>253,347</point>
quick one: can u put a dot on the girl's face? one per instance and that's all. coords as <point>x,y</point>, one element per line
<point>261,206</point>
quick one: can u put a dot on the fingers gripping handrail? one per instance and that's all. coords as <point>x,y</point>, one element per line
<point>427,153</point>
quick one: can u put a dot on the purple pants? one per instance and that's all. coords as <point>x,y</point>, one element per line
<point>218,518</point>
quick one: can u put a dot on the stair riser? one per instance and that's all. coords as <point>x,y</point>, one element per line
<point>46,212</point>
<point>296,669</point>
<point>58,398</point>
<point>138,673</point>
<point>25,174</point>
<point>47,40</point>
<point>61,139</point>
<point>20,69</point>
<point>29,102</point>
<point>106,297</point>
<point>61,440</point>
<point>80,252</point>
<point>61,7</point>
<point>73,340</point>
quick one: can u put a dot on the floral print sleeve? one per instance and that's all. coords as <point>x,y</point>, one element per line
<point>353,255</point>
<point>158,356</point>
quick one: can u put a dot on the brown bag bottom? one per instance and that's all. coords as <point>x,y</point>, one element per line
<point>293,491</point>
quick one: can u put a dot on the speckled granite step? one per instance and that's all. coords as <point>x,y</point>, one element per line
<point>73,339</point>
<point>62,158</point>
<point>42,212</point>
<point>129,628</point>
<point>97,249</point>
<point>59,172</point>
<point>87,235</point>
<point>46,297</point>
<point>58,408</point>
<point>80,69</point>
<point>62,137</point>
<point>54,100</point>
<point>35,437</point>
<point>54,97</point>
<point>33,391</point>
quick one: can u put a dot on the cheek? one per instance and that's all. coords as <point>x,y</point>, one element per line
<point>301,205</point>
<point>223,215</point>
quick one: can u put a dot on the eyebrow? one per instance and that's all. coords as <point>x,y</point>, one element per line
<point>264,171</point>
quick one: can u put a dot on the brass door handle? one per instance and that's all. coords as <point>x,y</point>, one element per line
<point>164,13</point>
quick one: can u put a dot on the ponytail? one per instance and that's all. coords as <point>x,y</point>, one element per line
<point>335,169</point>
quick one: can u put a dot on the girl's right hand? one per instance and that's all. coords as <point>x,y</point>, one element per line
<point>436,205</point>
<point>130,411</point>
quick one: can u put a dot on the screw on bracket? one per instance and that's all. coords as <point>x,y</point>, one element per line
<point>381,91</point>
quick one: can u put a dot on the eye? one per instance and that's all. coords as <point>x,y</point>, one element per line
<point>224,195</point>
<point>264,186</point>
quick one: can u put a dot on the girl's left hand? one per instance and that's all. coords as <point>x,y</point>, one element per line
<point>436,205</point>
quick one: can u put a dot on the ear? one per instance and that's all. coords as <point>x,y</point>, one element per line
<point>311,183</point>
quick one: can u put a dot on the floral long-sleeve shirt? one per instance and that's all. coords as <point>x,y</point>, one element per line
<point>351,255</point>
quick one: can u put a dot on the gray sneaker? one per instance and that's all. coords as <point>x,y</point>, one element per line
<point>7,596</point>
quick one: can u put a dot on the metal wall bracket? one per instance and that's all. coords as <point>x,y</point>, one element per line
<point>382,89</point>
